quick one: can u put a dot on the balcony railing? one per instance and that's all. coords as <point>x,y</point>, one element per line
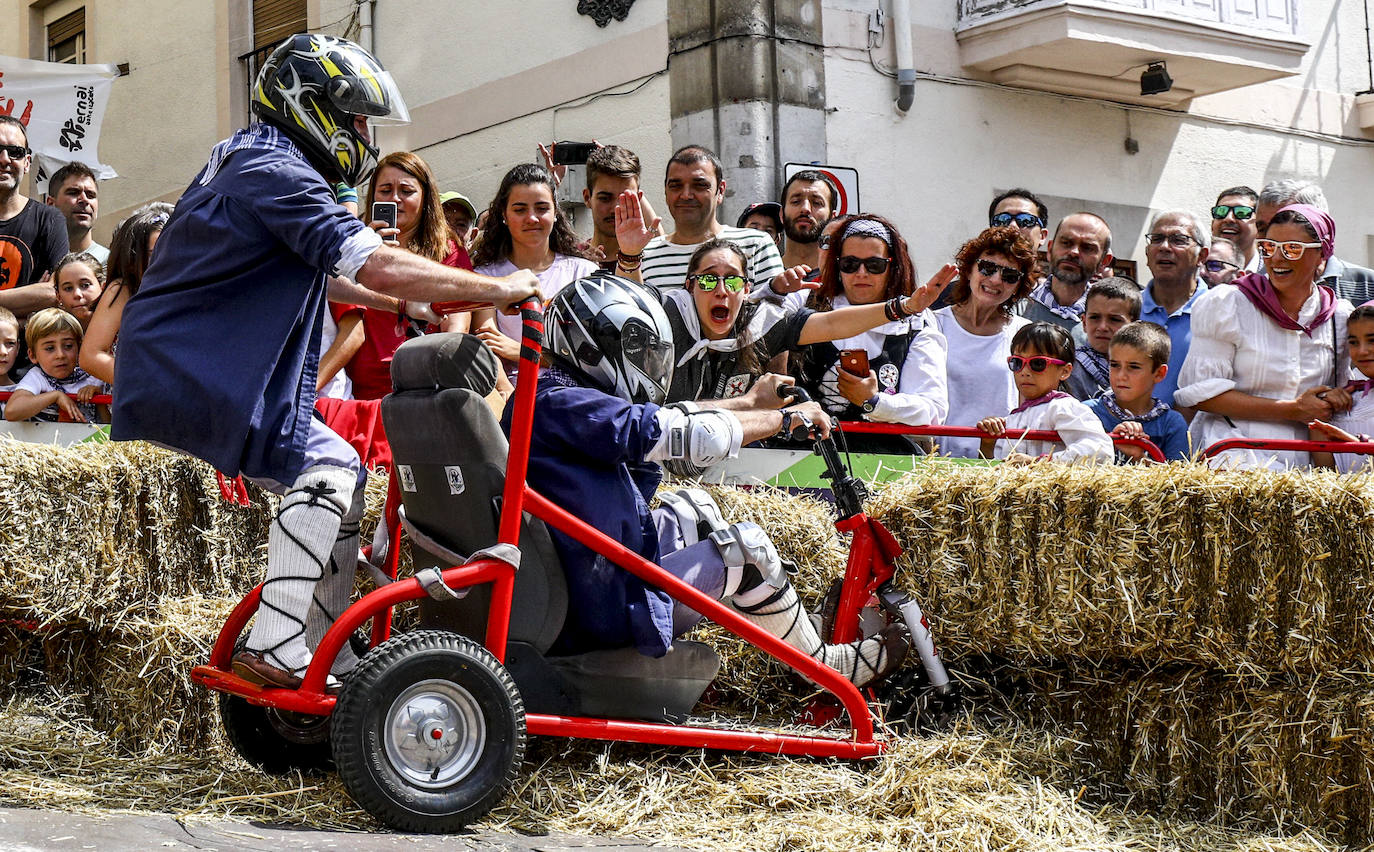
<point>1270,16</point>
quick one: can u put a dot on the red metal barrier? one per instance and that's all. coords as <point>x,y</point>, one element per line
<point>1280,445</point>
<point>865,427</point>
<point>98,399</point>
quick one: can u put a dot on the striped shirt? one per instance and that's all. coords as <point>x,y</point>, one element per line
<point>665,263</point>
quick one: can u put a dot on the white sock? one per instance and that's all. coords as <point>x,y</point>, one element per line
<point>298,548</point>
<point>334,591</point>
<point>781,614</point>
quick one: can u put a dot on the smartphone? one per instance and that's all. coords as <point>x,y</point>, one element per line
<point>384,211</point>
<point>572,153</point>
<point>854,362</point>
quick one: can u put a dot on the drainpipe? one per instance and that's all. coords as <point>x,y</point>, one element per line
<point>366,10</point>
<point>906,65</point>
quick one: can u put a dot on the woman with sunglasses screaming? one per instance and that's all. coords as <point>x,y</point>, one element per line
<point>995,271</point>
<point>723,341</point>
<point>900,375</point>
<point>1268,352</point>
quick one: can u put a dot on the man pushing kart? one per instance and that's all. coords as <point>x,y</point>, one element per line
<point>219,349</point>
<point>599,436</point>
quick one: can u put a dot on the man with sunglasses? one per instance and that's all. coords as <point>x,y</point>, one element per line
<point>1234,219</point>
<point>33,236</point>
<point>1025,210</point>
<point>1351,282</point>
<point>1080,253</point>
<point>1176,244</point>
<point>1224,262</point>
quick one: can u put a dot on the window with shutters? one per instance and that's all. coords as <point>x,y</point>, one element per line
<point>273,21</point>
<point>67,38</point>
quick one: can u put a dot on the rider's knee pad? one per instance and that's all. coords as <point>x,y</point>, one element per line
<point>751,558</point>
<point>697,513</point>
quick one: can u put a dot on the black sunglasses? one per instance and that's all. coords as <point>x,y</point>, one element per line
<point>16,152</point>
<point>1218,265</point>
<point>989,269</point>
<point>1022,220</point>
<point>850,264</point>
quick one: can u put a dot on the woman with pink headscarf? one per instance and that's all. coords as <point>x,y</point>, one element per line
<point>1268,353</point>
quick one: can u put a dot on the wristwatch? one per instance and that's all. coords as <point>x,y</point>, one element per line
<point>871,404</point>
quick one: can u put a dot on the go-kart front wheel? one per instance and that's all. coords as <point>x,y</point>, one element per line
<point>429,732</point>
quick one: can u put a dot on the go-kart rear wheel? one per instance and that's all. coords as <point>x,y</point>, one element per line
<point>429,732</point>
<point>276,741</point>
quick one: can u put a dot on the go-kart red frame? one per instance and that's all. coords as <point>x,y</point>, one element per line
<point>517,498</point>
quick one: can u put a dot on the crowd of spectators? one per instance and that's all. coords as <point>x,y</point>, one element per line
<point>1245,327</point>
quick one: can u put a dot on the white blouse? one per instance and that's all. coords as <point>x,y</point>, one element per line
<point>977,378</point>
<point>1081,431</point>
<point>921,397</point>
<point>1237,347</point>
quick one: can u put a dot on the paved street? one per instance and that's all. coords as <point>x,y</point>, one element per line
<point>24,830</point>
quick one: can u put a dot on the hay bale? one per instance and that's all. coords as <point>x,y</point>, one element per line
<point>99,533</point>
<point>1181,740</point>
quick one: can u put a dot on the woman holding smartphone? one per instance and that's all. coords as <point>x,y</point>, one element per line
<point>524,229</point>
<point>404,209</point>
<point>894,373</point>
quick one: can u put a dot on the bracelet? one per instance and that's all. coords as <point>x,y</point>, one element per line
<point>630,267</point>
<point>785,430</point>
<point>895,309</point>
<point>620,255</point>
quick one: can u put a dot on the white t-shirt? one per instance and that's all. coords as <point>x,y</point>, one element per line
<point>339,387</point>
<point>1359,420</point>
<point>979,383</point>
<point>665,264</point>
<point>36,382</point>
<point>563,271</point>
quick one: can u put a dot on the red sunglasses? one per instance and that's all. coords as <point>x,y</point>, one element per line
<point>1038,364</point>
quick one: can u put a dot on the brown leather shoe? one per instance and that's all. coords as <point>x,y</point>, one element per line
<point>250,666</point>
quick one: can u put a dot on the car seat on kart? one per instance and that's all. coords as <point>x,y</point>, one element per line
<point>450,457</point>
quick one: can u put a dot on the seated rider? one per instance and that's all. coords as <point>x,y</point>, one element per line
<point>600,433</point>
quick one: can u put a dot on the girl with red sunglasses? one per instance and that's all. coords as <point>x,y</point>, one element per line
<point>1041,361</point>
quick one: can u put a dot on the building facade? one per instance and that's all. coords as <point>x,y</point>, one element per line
<point>1044,94</point>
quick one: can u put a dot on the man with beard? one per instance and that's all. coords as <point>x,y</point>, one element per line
<point>1080,252</point>
<point>808,202</point>
<point>694,187</point>
<point>1177,244</point>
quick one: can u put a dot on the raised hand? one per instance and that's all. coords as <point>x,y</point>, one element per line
<point>925,294</point>
<point>632,230</point>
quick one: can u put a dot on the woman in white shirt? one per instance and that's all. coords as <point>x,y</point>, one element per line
<point>1268,352</point>
<point>905,379</point>
<point>995,270</point>
<point>524,229</point>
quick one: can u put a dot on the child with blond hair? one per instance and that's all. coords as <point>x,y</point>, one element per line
<point>45,393</point>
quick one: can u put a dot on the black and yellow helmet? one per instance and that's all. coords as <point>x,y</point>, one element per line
<point>314,88</point>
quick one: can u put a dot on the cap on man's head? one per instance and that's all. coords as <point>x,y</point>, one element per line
<point>459,199</point>
<point>771,209</point>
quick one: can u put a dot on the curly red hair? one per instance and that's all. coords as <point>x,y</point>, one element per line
<point>1007,241</point>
